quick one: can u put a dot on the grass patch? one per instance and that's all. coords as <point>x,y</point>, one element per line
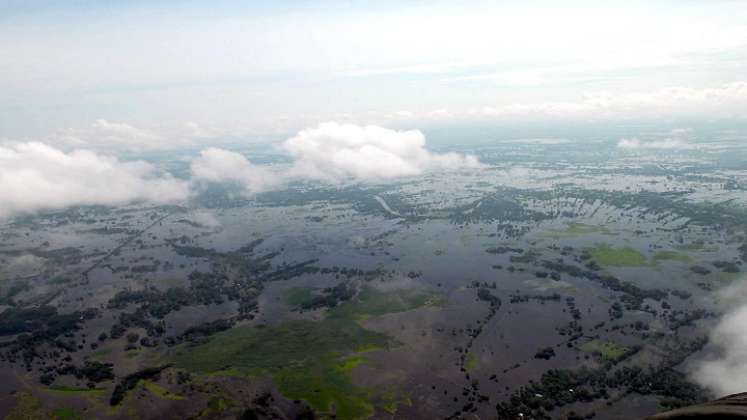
<point>671,256</point>
<point>605,349</point>
<point>471,362</point>
<point>697,246</point>
<point>573,229</point>
<point>28,407</point>
<point>101,353</point>
<point>78,392</point>
<point>131,354</point>
<point>305,358</point>
<point>273,348</point>
<point>160,391</point>
<point>350,363</point>
<point>390,400</point>
<point>308,360</point>
<point>609,256</point>
<point>371,302</point>
<point>297,296</point>
<point>65,413</point>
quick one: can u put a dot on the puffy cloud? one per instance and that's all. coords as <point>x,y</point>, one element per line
<point>105,135</point>
<point>35,176</point>
<point>206,219</point>
<point>725,370</point>
<point>335,151</point>
<point>110,135</point>
<point>665,144</point>
<point>219,165</point>
<point>676,141</point>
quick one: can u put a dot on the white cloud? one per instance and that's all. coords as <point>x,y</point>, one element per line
<point>678,140</point>
<point>632,143</point>
<point>665,144</point>
<point>726,101</point>
<point>720,103</point>
<point>335,151</point>
<point>725,371</point>
<point>35,177</point>
<point>219,165</point>
<point>105,135</point>
<point>206,218</point>
<point>111,135</point>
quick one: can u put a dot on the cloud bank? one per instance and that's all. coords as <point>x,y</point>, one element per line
<point>220,165</point>
<point>666,144</point>
<point>333,152</point>
<point>36,177</point>
<point>726,101</point>
<point>725,371</point>
<point>677,140</point>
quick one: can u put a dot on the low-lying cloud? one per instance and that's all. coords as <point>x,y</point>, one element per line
<point>665,144</point>
<point>220,165</point>
<point>725,370</point>
<point>36,177</point>
<point>678,139</point>
<point>721,102</point>
<point>333,152</point>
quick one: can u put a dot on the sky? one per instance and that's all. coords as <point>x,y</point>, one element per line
<point>169,73</point>
<point>91,91</point>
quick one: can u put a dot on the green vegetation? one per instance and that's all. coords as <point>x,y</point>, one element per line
<point>305,358</point>
<point>101,353</point>
<point>160,391</point>
<point>298,296</point>
<point>574,229</point>
<point>132,380</point>
<point>697,246</point>
<point>131,354</point>
<point>219,403</point>
<point>76,392</point>
<point>606,349</point>
<point>65,413</point>
<point>309,360</point>
<point>350,363</point>
<point>471,363</point>
<point>390,399</point>
<point>609,256</point>
<point>671,256</point>
<point>28,407</point>
<point>371,302</point>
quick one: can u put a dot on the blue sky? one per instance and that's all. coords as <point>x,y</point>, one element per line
<point>275,67</point>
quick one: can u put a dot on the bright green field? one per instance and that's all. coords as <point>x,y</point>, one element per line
<point>609,256</point>
<point>308,360</point>
<point>698,246</point>
<point>371,302</point>
<point>606,349</point>
<point>160,391</point>
<point>65,413</point>
<point>671,256</point>
<point>471,362</point>
<point>71,391</point>
<point>575,229</point>
<point>297,296</point>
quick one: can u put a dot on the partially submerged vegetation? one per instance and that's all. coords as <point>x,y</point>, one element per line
<point>609,256</point>
<point>309,360</point>
<point>605,349</point>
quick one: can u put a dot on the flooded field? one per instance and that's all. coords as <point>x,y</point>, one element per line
<point>572,287</point>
